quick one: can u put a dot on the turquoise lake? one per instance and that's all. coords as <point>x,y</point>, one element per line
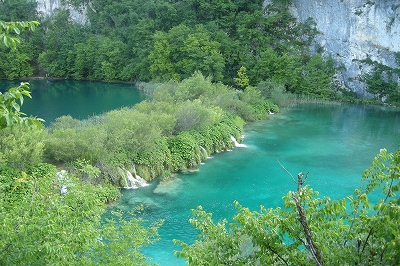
<point>335,144</point>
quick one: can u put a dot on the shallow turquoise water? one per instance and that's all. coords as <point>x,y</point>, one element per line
<point>334,144</point>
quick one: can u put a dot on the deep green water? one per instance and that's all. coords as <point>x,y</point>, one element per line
<point>335,144</point>
<point>80,99</point>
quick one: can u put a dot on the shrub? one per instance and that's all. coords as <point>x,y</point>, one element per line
<point>21,147</point>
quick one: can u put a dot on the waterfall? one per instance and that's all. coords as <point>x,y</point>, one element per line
<point>62,181</point>
<point>204,153</point>
<point>133,181</point>
<point>237,144</point>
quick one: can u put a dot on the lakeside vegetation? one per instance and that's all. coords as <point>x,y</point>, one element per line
<point>173,130</point>
<point>51,218</point>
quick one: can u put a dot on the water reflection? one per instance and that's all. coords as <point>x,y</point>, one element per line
<point>80,99</point>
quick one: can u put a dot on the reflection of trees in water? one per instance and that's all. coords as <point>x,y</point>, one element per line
<point>352,119</point>
<point>80,99</point>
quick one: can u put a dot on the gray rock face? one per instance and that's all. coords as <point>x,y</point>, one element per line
<point>49,7</point>
<point>353,30</point>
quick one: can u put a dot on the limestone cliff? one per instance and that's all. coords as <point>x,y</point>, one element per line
<point>353,30</point>
<point>48,8</point>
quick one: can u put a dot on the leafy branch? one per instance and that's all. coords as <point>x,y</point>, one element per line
<point>6,28</point>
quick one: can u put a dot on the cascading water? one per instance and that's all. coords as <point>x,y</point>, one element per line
<point>237,144</point>
<point>204,152</point>
<point>62,181</point>
<point>133,181</point>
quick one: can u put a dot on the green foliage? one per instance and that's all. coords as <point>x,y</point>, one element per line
<point>317,77</point>
<point>98,59</point>
<point>385,90</point>
<point>40,225</point>
<point>8,28</point>
<point>242,79</point>
<point>143,40</point>
<point>194,115</point>
<point>184,151</point>
<point>122,246</point>
<point>363,232</point>
<point>274,91</point>
<point>10,108</point>
<point>85,170</point>
<point>255,107</point>
<point>60,35</point>
<point>21,147</point>
<point>164,133</point>
<point>17,62</point>
<point>182,51</point>
<point>382,81</point>
<point>67,143</point>
<point>17,10</point>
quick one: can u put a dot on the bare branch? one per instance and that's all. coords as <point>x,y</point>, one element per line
<point>287,171</point>
<point>306,177</point>
<point>316,255</point>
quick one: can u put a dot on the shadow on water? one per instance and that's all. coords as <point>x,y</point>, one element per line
<point>80,99</point>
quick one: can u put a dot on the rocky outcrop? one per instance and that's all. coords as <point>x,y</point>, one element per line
<point>354,30</point>
<point>351,31</point>
<point>47,8</point>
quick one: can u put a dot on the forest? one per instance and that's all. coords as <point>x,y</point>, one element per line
<point>136,40</point>
<point>208,68</point>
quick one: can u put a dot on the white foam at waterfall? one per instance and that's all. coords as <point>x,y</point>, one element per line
<point>63,181</point>
<point>237,144</point>
<point>133,182</point>
<point>204,151</point>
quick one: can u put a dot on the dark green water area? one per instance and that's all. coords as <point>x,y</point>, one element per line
<point>335,144</point>
<point>79,99</point>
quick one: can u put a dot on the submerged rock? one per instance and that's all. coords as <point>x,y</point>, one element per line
<point>170,187</point>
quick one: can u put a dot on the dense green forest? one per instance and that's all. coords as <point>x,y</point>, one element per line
<point>135,40</point>
<point>208,68</point>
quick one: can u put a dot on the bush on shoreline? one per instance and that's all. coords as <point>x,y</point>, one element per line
<point>169,132</point>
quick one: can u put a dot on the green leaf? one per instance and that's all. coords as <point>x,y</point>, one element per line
<point>17,31</point>
<point>16,105</point>
<point>9,119</point>
<point>5,40</point>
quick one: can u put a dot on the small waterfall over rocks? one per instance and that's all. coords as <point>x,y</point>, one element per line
<point>132,180</point>
<point>237,144</point>
<point>204,153</point>
<point>62,181</point>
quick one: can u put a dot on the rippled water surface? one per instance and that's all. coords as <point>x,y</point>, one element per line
<point>335,144</point>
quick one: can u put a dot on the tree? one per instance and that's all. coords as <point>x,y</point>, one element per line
<point>242,80</point>
<point>8,28</point>
<point>10,113</point>
<point>56,219</point>
<point>382,84</point>
<point>60,35</point>
<point>182,51</point>
<point>50,217</point>
<point>309,230</point>
<point>317,77</point>
<point>21,147</point>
